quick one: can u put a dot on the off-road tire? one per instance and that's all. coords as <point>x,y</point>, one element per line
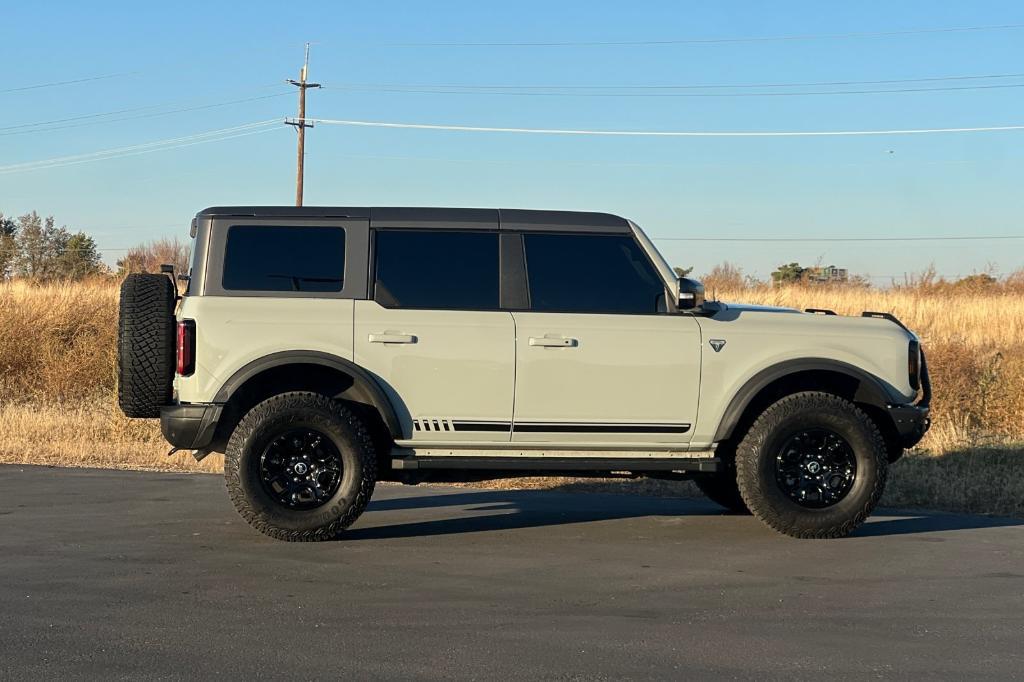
<point>300,409</point>
<point>755,465</point>
<point>722,489</point>
<point>145,345</point>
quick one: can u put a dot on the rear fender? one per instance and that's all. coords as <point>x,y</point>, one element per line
<point>364,389</point>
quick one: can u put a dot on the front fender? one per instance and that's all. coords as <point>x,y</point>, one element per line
<point>869,389</point>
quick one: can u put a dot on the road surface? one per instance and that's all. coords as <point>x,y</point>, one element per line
<point>131,574</point>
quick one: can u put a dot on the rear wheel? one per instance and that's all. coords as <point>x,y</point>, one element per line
<point>300,467</point>
<point>813,465</point>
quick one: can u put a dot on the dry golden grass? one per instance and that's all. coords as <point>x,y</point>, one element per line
<point>57,387</point>
<point>58,341</point>
<point>89,436</point>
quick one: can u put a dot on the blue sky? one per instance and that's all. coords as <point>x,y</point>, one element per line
<point>191,54</point>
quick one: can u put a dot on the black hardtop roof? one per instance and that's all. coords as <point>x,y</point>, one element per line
<point>393,216</point>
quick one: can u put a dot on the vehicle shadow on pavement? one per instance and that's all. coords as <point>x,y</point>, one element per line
<point>512,509</point>
<point>499,510</point>
<point>906,522</point>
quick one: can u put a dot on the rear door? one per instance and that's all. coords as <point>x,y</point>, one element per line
<point>600,360</point>
<point>434,336</point>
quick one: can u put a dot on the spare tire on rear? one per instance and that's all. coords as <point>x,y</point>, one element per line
<point>145,345</point>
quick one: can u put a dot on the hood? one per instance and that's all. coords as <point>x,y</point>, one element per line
<point>751,307</point>
<point>774,319</point>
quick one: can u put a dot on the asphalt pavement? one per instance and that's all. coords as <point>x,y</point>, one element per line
<point>120,574</point>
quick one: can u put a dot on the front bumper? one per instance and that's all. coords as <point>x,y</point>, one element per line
<point>911,421</point>
<point>190,426</point>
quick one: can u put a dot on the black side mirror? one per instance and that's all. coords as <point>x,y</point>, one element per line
<point>691,294</point>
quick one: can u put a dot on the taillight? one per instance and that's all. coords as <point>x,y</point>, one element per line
<point>186,347</point>
<point>914,364</point>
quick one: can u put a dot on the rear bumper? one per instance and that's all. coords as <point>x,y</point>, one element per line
<point>190,426</point>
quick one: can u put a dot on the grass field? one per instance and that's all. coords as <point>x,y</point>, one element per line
<point>58,406</point>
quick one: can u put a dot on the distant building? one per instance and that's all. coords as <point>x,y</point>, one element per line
<point>828,274</point>
<point>793,273</point>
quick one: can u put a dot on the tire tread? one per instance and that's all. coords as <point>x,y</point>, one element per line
<point>300,401</point>
<point>145,345</point>
<point>749,448</point>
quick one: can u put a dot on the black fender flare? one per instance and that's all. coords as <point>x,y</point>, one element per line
<point>365,387</point>
<point>870,388</point>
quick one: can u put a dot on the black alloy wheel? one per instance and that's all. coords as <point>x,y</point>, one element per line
<point>815,468</point>
<point>301,469</point>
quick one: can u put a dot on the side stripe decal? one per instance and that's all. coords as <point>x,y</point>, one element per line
<point>461,425</point>
<point>600,428</point>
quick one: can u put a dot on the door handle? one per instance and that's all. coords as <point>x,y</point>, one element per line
<point>387,337</point>
<point>553,342</point>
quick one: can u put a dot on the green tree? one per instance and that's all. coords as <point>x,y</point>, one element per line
<point>43,251</point>
<point>790,273</point>
<point>39,242</point>
<point>79,258</point>
<point>8,230</point>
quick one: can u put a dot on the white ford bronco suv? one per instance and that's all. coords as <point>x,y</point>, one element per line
<point>323,349</point>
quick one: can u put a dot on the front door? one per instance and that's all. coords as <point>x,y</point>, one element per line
<point>434,337</point>
<point>599,360</point>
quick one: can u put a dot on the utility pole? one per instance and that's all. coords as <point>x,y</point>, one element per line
<point>301,124</point>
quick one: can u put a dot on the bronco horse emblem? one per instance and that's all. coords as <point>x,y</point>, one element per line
<point>717,344</point>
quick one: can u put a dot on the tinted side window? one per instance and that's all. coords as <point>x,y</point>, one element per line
<point>590,273</point>
<point>266,258</point>
<point>437,269</point>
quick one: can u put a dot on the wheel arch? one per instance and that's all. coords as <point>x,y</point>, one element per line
<point>785,378</point>
<point>310,370</point>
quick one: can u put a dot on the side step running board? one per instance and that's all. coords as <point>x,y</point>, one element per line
<point>539,464</point>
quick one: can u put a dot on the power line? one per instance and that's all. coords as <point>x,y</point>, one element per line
<point>146,151</point>
<point>67,82</point>
<point>157,143</point>
<point>38,126</point>
<point>80,118</point>
<point>886,160</point>
<point>690,86</point>
<point>521,93</point>
<point>708,41</point>
<point>144,148</point>
<point>661,133</point>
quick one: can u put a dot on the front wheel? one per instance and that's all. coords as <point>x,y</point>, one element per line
<point>300,467</point>
<point>813,465</point>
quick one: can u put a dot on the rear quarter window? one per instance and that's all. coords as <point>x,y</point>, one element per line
<point>269,258</point>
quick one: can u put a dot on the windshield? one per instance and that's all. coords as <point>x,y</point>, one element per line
<point>664,269</point>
